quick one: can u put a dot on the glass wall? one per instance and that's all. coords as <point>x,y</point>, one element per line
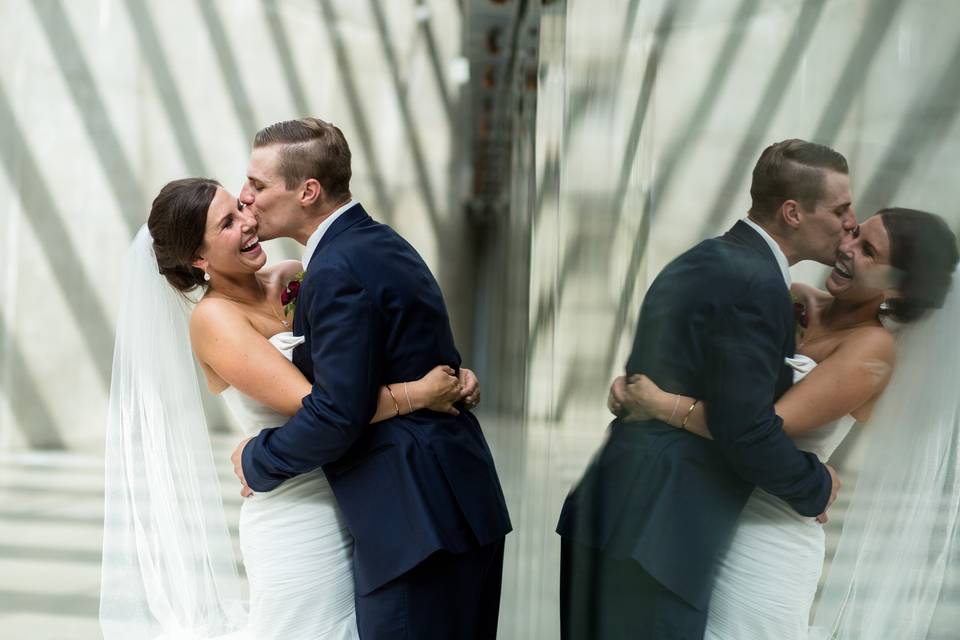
<point>650,117</point>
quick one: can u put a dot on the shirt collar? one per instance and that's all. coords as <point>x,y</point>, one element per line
<point>315,238</point>
<point>778,253</point>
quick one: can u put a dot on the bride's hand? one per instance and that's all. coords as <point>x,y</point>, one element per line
<point>439,390</point>
<point>470,391</point>
<point>640,397</point>
<point>617,391</point>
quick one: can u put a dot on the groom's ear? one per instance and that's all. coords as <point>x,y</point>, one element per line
<point>790,213</point>
<point>311,192</point>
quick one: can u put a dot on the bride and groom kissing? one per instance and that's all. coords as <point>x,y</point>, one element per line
<point>372,505</point>
<point>701,515</point>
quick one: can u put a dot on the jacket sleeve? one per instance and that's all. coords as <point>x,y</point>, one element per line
<point>346,350</point>
<point>744,356</point>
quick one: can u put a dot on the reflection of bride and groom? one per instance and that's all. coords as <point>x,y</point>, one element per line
<point>373,507</point>
<point>701,514</point>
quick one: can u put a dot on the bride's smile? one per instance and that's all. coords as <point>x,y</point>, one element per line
<point>862,269</point>
<point>231,243</point>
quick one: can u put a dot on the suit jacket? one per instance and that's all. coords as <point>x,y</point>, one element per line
<point>716,324</point>
<point>373,314</point>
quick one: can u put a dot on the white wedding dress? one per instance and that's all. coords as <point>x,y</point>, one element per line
<point>767,577</point>
<point>297,550</point>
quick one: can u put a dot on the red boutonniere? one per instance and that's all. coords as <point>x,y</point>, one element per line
<point>289,296</point>
<point>800,315</point>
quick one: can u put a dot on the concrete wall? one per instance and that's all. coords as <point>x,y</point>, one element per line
<point>103,101</point>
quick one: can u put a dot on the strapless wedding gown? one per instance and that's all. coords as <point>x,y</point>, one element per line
<point>297,550</point>
<point>767,577</point>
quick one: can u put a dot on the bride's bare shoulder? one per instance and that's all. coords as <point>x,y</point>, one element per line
<point>213,313</point>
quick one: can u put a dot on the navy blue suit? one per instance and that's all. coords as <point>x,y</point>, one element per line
<point>410,488</point>
<point>657,504</point>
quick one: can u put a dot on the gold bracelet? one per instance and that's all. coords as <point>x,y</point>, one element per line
<point>395,403</point>
<point>683,425</point>
<point>407,393</point>
<point>676,403</point>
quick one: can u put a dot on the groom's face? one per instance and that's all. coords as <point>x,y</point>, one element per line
<point>830,221</point>
<point>265,194</point>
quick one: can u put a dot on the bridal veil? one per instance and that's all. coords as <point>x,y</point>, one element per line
<point>892,568</point>
<point>169,570</point>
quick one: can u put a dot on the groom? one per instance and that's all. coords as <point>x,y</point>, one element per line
<point>419,493</point>
<point>643,529</point>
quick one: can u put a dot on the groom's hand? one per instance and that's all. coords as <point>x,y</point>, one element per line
<point>822,518</point>
<point>237,458</point>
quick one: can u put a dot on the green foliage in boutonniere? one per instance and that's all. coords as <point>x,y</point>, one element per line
<point>289,296</point>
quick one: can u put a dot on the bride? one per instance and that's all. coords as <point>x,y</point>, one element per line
<point>898,265</point>
<point>168,564</point>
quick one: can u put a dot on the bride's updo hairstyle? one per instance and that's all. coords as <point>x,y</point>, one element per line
<point>178,220</point>
<point>924,249</point>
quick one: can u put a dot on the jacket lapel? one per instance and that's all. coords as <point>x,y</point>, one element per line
<point>741,233</point>
<point>352,216</point>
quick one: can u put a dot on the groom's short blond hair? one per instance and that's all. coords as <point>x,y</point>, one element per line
<point>792,170</point>
<point>310,148</point>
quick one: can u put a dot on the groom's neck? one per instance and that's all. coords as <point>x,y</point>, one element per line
<point>779,236</point>
<point>310,225</point>
<point>313,218</point>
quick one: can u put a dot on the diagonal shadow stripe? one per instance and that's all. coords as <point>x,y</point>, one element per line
<point>855,71</point>
<point>68,604</point>
<point>693,126</point>
<point>94,520</point>
<point>72,521</point>
<point>30,411</point>
<point>921,131</point>
<point>229,69</point>
<point>764,114</point>
<point>48,554</point>
<point>49,226</point>
<point>433,54</point>
<point>410,127</point>
<point>330,20</point>
<point>32,489</point>
<point>662,33</point>
<point>178,121</point>
<point>766,110</point>
<point>166,87</point>
<point>547,309</point>
<point>114,163</point>
<point>629,22</point>
<point>281,40</point>
<point>576,109</point>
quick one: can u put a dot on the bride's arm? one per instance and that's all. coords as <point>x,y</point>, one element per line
<point>437,391</point>
<point>225,341</point>
<point>845,382</point>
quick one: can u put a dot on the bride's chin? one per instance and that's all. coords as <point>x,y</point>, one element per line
<point>833,287</point>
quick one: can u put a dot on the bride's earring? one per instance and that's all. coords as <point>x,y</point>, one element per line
<point>206,276</point>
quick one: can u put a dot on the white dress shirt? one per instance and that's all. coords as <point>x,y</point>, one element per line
<point>314,239</point>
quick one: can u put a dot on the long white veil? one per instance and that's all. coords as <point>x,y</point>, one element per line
<point>169,570</point>
<point>899,545</point>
